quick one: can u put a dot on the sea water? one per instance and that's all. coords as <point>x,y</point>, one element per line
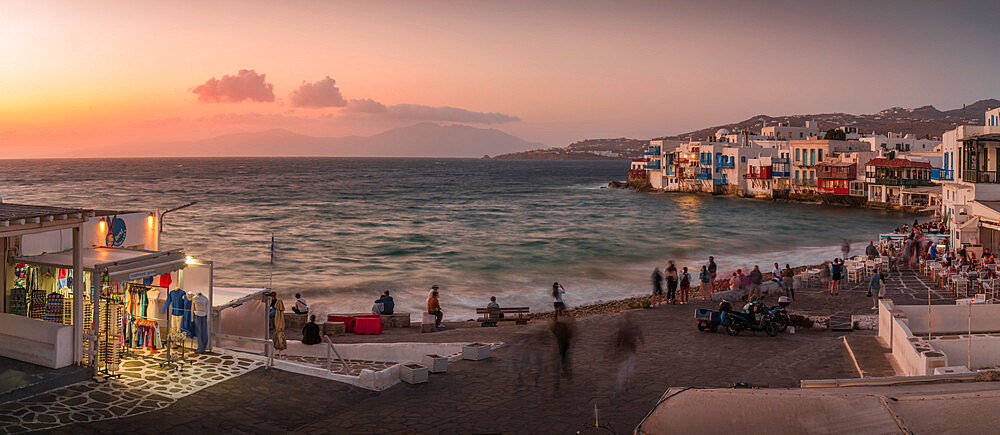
<point>346,229</point>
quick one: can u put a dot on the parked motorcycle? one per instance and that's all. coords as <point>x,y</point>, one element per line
<point>754,319</point>
<point>779,313</point>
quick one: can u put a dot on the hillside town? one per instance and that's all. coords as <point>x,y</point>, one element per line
<point>955,176</point>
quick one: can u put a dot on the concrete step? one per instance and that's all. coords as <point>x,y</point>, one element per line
<point>871,359</point>
<point>841,322</point>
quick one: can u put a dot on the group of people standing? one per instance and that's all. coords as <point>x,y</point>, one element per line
<point>675,280</point>
<point>679,282</point>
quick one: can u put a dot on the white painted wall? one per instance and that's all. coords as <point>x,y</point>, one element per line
<point>36,341</point>
<point>141,231</point>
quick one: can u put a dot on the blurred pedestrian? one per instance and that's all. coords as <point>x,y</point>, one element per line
<point>876,288</point>
<point>627,341</point>
<point>657,282</point>
<point>824,278</point>
<point>563,331</point>
<point>756,279</point>
<point>845,248</point>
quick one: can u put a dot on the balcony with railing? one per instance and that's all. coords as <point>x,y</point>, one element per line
<point>724,162</point>
<point>938,174</point>
<point>720,180</point>
<point>836,171</point>
<point>653,166</point>
<point>705,159</point>
<point>906,182</point>
<point>974,176</point>
<point>759,173</point>
<point>777,160</point>
<point>652,151</point>
<point>704,174</point>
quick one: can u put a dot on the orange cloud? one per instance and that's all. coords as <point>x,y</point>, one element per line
<point>245,85</point>
<point>323,93</point>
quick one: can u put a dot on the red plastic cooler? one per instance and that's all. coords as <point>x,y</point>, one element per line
<point>368,324</point>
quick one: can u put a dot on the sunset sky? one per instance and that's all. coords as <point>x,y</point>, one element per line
<point>81,74</point>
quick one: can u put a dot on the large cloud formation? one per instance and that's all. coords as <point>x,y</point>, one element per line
<point>323,93</point>
<point>419,112</point>
<point>245,85</point>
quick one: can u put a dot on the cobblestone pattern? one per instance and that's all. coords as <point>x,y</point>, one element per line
<point>337,367</point>
<point>144,386</point>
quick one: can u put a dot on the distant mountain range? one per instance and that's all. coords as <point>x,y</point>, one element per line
<point>926,121</point>
<point>419,140</point>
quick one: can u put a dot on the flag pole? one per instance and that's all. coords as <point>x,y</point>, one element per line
<point>270,274</point>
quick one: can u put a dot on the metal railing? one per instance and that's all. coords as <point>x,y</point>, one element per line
<point>974,176</point>
<point>938,174</point>
<point>725,164</point>
<point>329,349</point>
<point>904,182</point>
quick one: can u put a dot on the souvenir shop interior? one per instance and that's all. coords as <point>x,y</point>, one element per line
<point>151,304</point>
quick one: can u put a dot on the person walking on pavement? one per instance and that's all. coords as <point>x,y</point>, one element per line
<point>876,288</point>
<point>845,248</point>
<point>627,341</point>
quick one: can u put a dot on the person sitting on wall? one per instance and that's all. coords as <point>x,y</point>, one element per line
<point>310,332</point>
<point>387,305</point>
<point>300,306</point>
<point>434,307</point>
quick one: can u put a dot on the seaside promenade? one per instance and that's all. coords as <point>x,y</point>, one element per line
<point>497,395</point>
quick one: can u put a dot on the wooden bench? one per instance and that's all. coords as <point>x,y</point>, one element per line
<point>491,316</point>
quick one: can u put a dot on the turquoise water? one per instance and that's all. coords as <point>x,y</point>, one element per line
<point>349,228</point>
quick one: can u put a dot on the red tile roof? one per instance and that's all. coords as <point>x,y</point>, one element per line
<point>899,163</point>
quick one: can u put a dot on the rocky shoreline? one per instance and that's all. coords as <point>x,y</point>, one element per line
<point>617,306</point>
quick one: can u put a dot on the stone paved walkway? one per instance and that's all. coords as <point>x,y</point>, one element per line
<point>518,390</point>
<point>144,386</point>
